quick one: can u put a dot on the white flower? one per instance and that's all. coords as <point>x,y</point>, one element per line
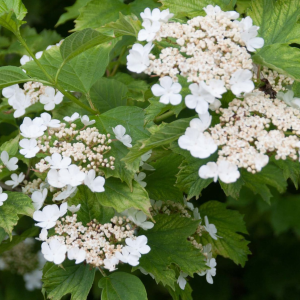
<point>168,91</point>
<point>232,15</point>
<point>55,251</point>
<point>203,94</point>
<point>86,121</point>
<point>181,280</point>
<point>202,123</point>
<point>3,196</point>
<point>138,58</point>
<point>11,164</point>
<point>138,246</point>
<point>210,170</point>
<point>139,178</point>
<point>50,99</point>
<point>156,15</point>
<point>110,263</point>
<point>139,218</point>
<point>30,148</point>
<point>261,160</point>
<point>145,157</point>
<point>73,118</point>
<point>49,122</point>
<point>20,102</point>
<point>43,235</point>
<point>210,228</point>
<point>127,257</point>
<point>49,215</point>
<point>72,176</point>
<point>148,34</point>
<point>32,129</point>
<point>241,82</point>
<point>211,272</point>
<point>76,254</point>
<point>196,214</point>
<point>199,145</point>
<point>58,162</point>
<point>215,105</point>
<point>25,59</point>
<point>33,280</point>
<point>119,132</point>
<point>212,10</point>
<point>289,99</point>
<point>11,93</point>
<point>95,184</point>
<point>54,179</point>
<point>16,179</point>
<point>73,208</point>
<point>38,198</point>
<point>66,193</point>
<point>207,251</point>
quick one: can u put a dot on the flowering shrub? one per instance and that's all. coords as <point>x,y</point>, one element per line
<point>120,127</point>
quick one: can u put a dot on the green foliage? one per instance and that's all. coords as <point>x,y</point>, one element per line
<point>169,246</point>
<point>72,279</point>
<point>11,146</point>
<point>230,243</point>
<point>12,75</point>
<point>16,204</point>
<point>122,286</point>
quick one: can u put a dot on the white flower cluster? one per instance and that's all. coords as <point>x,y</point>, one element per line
<point>100,245</point>
<point>20,99</point>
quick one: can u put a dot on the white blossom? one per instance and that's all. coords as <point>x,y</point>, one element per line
<point>11,93</point>
<point>69,191</point>
<point>210,228</point>
<point>215,105</point>
<point>43,235</point>
<point>149,31</point>
<point>38,198</point>
<point>110,263</point>
<point>76,254</point>
<point>211,272</point>
<point>25,59</point>
<point>32,129</point>
<point>33,280</point>
<point>139,218</point>
<point>210,170</point>
<point>30,147</point>
<point>139,178</point>
<point>86,120</point>
<point>202,123</point>
<point>72,175</point>
<point>168,91</point>
<point>261,161</point>
<point>127,257</point>
<point>58,162</point>
<point>212,10</point>
<point>241,82</point>
<point>50,98</point>
<point>55,251</point>
<point>54,179</point>
<point>181,280</point>
<point>119,132</point>
<point>95,184</point>
<point>11,164</point>
<point>196,214</point>
<point>138,246</point>
<point>73,118</point>
<point>73,208</point>
<point>49,215</point>
<point>156,15</point>
<point>49,122</point>
<point>289,99</point>
<point>3,196</point>
<point>15,179</point>
<point>138,58</point>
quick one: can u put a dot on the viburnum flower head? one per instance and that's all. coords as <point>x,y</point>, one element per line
<point>58,162</point>
<point>241,82</point>
<point>138,246</point>
<point>15,180</point>
<point>289,99</point>
<point>86,121</point>
<point>211,272</point>
<point>73,118</point>
<point>49,215</point>
<point>38,198</point>
<point>127,257</point>
<point>95,184</point>
<point>156,15</point>
<point>55,251</point>
<point>32,129</point>
<point>51,98</point>
<point>167,90</point>
<point>49,122</point>
<point>3,196</point>
<point>72,176</point>
<point>149,31</point>
<point>138,58</point>
<point>30,148</point>
<point>10,164</point>
<point>120,135</point>
<point>76,254</point>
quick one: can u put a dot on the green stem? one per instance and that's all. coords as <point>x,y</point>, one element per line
<point>113,73</point>
<point>102,272</point>
<point>164,116</point>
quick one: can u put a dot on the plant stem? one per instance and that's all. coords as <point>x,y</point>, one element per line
<point>164,116</point>
<point>113,73</point>
<point>102,272</point>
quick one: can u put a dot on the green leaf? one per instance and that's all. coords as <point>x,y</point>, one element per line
<point>281,58</point>
<point>72,12</point>
<point>11,146</point>
<point>122,286</point>
<point>13,5</point>
<point>72,279</point>
<point>98,13</point>
<point>108,93</point>
<point>90,207</point>
<point>162,135</point>
<point>161,182</point>
<point>138,6</point>
<point>16,239</point>
<point>132,118</point>
<point>193,8</point>
<point>125,25</point>
<point>179,294</point>
<point>3,234</point>
<point>16,204</point>
<point>228,222</point>
<point>232,189</point>
<point>81,41</point>
<point>119,196</point>
<point>277,20</point>
<point>169,245</point>
<point>12,75</point>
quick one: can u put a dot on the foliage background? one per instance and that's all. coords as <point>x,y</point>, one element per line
<point>272,272</point>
